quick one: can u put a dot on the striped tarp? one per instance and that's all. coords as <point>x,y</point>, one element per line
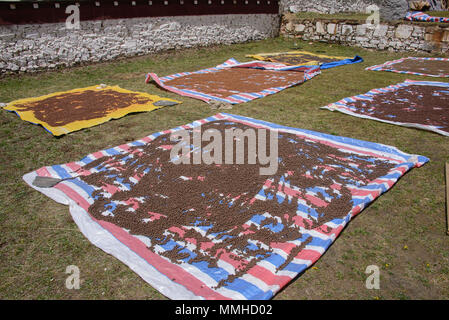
<point>195,280</point>
<point>421,16</point>
<point>240,97</point>
<point>308,57</point>
<point>345,105</point>
<point>390,66</point>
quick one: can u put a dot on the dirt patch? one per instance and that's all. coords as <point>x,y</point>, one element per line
<point>433,67</point>
<point>76,106</point>
<point>227,82</point>
<point>428,105</point>
<point>198,213</point>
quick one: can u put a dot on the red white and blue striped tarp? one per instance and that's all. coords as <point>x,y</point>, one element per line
<point>421,16</point>
<point>389,66</point>
<point>189,280</point>
<point>345,105</point>
<point>239,97</point>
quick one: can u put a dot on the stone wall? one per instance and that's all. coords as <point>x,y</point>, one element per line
<point>403,36</point>
<point>334,6</point>
<point>326,6</point>
<point>29,48</point>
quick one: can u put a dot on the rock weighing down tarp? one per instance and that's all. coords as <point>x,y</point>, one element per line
<point>421,16</point>
<point>234,82</point>
<point>197,231</point>
<point>416,104</point>
<point>306,58</point>
<point>431,67</point>
<point>64,112</point>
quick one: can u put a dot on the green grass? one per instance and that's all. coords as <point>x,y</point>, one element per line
<point>334,16</point>
<point>361,17</point>
<point>353,15</point>
<point>438,13</point>
<point>39,239</point>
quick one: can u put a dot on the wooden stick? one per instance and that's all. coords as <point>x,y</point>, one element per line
<point>447,198</point>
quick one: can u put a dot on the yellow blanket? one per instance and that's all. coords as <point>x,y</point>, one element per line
<point>297,57</point>
<point>67,111</point>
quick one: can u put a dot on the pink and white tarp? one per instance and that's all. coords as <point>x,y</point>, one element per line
<point>369,108</point>
<point>193,278</point>
<point>238,97</point>
<point>390,66</point>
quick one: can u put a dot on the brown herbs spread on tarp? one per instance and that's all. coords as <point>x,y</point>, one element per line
<point>227,82</point>
<point>428,105</point>
<point>298,59</point>
<point>76,106</point>
<point>218,198</point>
<point>433,67</point>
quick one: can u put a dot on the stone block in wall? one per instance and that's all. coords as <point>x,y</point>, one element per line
<point>346,29</point>
<point>7,37</point>
<point>428,37</point>
<point>320,27</point>
<point>300,27</point>
<point>129,45</point>
<point>368,45</point>
<point>380,31</point>
<point>289,26</point>
<point>382,44</point>
<point>331,28</point>
<point>397,44</point>
<point>418,31</point>
<point>427,46</point>
<point>361,29</point>
<point>445,37</point>
<point>9,29</point>
<point>294,9</point>
<point>97,25</point>
<point>403,31</point>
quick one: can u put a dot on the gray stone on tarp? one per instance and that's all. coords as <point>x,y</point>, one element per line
<point>392,9</point>
<point>165,103</point>
<point>45,182</point>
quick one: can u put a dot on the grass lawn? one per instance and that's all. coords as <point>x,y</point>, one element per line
<point>403,232</point>
<point>333,16</point>
<point>438,13</point>
<point>354,15</point>
<point>361,17</point>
